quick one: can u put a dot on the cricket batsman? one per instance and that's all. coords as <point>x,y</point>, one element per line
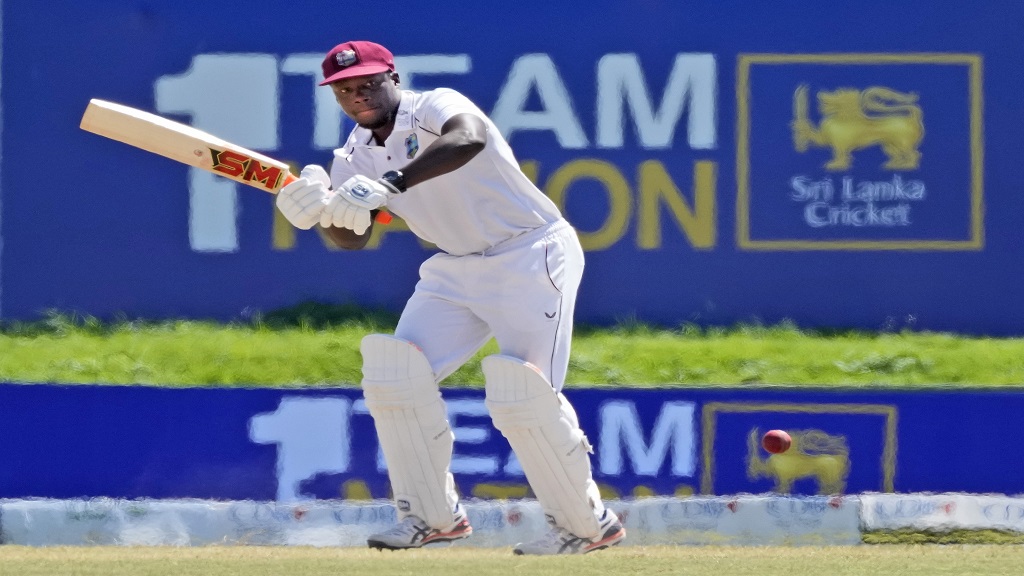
<point>509,267</point>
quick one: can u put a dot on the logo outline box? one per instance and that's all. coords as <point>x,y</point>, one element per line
<point>709,425</point>
<point>976,240</point>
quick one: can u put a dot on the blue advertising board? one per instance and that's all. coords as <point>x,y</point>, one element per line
<point>289,445</point>
<point>841,164</point>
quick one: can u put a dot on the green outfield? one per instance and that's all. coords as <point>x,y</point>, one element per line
<point>904,560</point>
<point>315,345</point>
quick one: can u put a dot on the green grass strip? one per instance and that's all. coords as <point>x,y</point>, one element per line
<point>316,345</point>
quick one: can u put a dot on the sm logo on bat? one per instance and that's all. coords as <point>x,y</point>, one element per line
<point>241,167</point>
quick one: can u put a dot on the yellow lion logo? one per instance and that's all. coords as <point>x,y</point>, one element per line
<point>814,454</point>
<point>852,119</point>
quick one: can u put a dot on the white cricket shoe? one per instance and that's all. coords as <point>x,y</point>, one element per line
<point>560,541</point>
<point>413,532</point>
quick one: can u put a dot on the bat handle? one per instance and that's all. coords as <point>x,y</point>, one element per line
<point>383,216</point>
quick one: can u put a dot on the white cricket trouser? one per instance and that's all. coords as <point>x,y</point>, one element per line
<point>522,292</point>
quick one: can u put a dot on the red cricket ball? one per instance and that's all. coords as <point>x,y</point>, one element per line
<point>776,441</point>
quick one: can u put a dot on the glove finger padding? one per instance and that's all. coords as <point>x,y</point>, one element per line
<point>327,216</point>
<point>340,213</point>
<point>345,216</point>
<point>315,173</point>
<point>310,196</point>
<point>302,202</point>
<point>361,221</point>
<point>349,218</point>
<point>356,219</point>
<point>288,192</point>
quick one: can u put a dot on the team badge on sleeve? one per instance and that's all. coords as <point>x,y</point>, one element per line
<point>412,146</point>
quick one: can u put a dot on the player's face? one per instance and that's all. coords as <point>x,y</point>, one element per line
<point>368,100</point>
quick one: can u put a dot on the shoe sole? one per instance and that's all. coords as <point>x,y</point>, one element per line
<point>443,537</point>
<point>607,541</point>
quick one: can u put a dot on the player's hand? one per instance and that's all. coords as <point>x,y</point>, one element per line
<point>315,173</point>
<point>340,212</point>
<point>302,202</point>
<point>366,192</point>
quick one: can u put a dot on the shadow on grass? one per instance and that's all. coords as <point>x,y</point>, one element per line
<point>633,326</point>
<point>962,536</point>
<point>306,316</point>
<point>322,316</point>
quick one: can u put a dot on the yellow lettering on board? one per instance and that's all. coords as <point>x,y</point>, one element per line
<point>283,237</point>
<point>619,197</point>
<point>656,193</point>
<point>642,492</point>
<point>608,492</point>
<point>500,491</point>
<point>531,168</point>
<point>657,188</point>
<point>355,490</point>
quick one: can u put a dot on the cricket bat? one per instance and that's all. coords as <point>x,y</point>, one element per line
<point>190,146</point>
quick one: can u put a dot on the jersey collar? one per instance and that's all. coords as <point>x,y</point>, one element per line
<point>403,119</point>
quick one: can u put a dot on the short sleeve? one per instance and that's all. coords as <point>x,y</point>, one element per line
<point>341,168</point>
<point>441,105</point>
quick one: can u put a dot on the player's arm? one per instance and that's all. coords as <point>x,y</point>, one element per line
<point>347,225</point>
<point>463,136</point>
<point>348,239</point>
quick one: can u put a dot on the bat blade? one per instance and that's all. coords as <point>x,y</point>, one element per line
<point>190,146</point>
<point>185,144</point>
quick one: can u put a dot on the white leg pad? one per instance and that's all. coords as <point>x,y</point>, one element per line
<point>412,428</point>
<point>544,432</point>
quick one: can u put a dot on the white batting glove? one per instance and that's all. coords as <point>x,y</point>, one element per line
<point>340,212</point>
<point>316,174</point>
<point>366,192</point>
<point>302,202</point>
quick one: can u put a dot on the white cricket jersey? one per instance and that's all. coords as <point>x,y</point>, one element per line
<point>466,211</point>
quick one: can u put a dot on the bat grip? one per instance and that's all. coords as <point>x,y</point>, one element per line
<point>383,216</point>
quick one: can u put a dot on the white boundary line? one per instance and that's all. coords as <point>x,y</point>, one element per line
<point>740,520</point>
